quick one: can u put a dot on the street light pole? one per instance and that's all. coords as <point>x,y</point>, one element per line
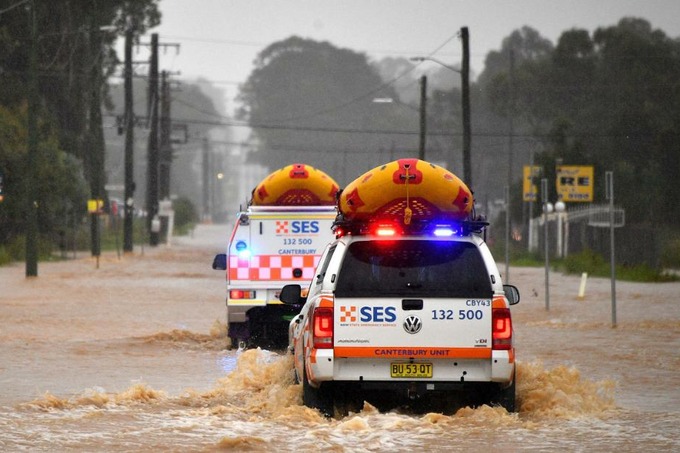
<point>31,196</point>
<point>465,100</point>
<point>423,116</point>
<point>467,129</point>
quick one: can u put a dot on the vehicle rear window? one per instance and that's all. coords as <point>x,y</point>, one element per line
<point>413,268</point>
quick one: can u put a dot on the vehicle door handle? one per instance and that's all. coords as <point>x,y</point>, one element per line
<point>412,304</point>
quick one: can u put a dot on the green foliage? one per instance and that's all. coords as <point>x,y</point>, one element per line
<point>14,249</point>
<point>5,257</point>
<point>595,265</point>
<point>670,253</point>
<point>56,178</point>
<point>304,93</point>
<point>609,100</point>
<point>587,261</point>
<point>73,57</point>
<point>185,214</point>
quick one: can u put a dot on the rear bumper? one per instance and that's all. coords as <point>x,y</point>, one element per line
<point>323,366</point>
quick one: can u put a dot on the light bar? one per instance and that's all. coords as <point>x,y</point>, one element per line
<point>385,231</point>
<point>444,231</point>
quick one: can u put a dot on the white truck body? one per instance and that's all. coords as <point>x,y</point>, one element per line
<point>271,246</point>
<point>407,315</point>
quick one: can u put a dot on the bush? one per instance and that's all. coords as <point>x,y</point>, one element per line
<point>185,215</point>
<point>670,254</point>
<point>4,256</point>
<point>15,250</point>
<point>595,265</point>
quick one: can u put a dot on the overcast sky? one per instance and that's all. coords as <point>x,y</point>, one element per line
<point>219,39</point>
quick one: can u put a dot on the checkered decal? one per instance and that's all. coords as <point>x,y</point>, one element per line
<point>272,267</point>
<point>348,314</point>
<point>282,227</point>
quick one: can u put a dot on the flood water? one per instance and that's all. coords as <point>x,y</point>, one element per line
<point>132,356</point>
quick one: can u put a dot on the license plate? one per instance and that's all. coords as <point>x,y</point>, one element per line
<point>411,370</point>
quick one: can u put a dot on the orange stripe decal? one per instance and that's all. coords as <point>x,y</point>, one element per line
<point>416,352</point>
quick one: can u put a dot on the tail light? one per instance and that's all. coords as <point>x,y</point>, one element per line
<point>323,328</point>
<point>241,294</point>
<point>502,328</point>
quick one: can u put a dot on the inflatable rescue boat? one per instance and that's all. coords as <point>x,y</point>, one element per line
<point>296,185</point>
<point>406,190</point>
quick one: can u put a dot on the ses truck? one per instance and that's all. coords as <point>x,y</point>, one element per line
<point>277,240</point>
<point>407,307</point>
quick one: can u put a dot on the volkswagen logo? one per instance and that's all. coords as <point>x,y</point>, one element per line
<point>412,324</point>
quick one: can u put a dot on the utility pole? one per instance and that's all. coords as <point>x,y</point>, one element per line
<point>423,116</point>
<point>31,196</point>
<point>153,152</point>
<point>546,249</point>
<point>95,136</point>
<point>129,146</point>
<point>206,180</point>
<point>153,156</point>
<point>165,146</point>
<point>467,128</point>
<point>511,114</point>
<point>508,196</point>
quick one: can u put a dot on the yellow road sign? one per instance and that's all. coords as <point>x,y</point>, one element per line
<point>529,189</point>
<point>95,206</point>
<point>575,183</point>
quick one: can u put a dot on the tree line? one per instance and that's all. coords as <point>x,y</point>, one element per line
<point>607,99</point>
<point>73,45</point>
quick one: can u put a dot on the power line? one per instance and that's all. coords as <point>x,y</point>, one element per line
<point>263,44</point>
<point>9,8</point>
<point>361,96</point>
<point>488,134</point>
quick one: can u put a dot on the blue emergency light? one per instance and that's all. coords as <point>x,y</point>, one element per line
<point>242,250</point>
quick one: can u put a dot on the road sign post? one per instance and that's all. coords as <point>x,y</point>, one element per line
<point>546,207</point>
<point>609,179</point>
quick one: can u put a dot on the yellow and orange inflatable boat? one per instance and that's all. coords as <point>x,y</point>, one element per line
<point>296,185</point>
<point>406,190</point>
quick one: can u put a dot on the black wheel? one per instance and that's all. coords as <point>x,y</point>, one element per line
<point>346,398</point>
<point>504,396</point>
<point>316,398</point>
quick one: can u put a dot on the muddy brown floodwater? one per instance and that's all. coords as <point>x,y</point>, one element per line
<point>133,356</point>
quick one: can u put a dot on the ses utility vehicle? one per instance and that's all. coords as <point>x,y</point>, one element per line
<point>405,314</point>
<point>278,239</point>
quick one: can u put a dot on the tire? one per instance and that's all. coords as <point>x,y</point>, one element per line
<point>316,398</point>
<point>505,396</point>
<point>346,398</point>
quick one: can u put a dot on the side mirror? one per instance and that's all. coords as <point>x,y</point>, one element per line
<point>511,294</point>
<point>220,262</point>
<point>290,294</point>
